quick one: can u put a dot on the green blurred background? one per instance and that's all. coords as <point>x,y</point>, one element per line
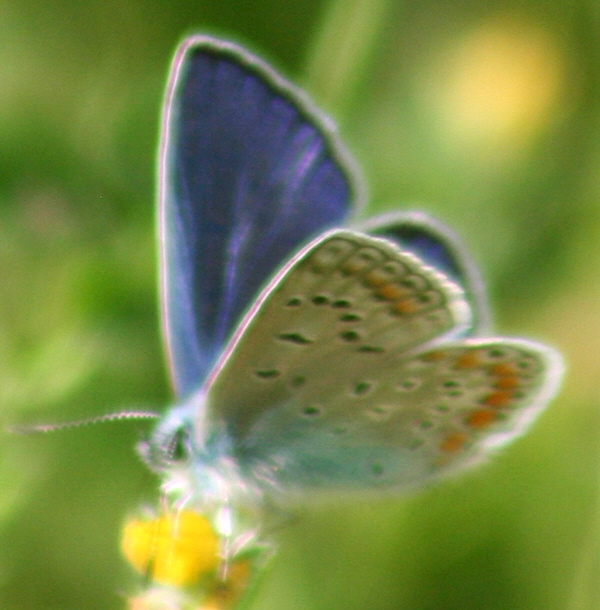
<point>485,114</point>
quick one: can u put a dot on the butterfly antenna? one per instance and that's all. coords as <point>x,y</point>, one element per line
<point>109,417</point>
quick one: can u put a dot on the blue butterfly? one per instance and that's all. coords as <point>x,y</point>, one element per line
<point>310,350</point>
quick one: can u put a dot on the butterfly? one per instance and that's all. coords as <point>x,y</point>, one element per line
<point>311,351</point>
<point>305,355</point>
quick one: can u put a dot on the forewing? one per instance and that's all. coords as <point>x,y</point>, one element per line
<point>440,247</point>
<point>249,172</point>
<point>347,304</point>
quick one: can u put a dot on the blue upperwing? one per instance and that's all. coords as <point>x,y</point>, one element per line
<point>249,171</point>
<point>438,246</point>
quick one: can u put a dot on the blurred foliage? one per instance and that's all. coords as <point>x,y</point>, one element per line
<point>485,114</point>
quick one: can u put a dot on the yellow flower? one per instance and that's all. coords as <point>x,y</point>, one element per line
<point>176,549</point>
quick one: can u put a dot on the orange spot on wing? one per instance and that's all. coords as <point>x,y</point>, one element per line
<point>505,369</point>
<point>501,398</point>
<point>405,306</point>
<point>481,419</point>
<point>507,383</point>
<point>390,292</point>
<point>453,442</point>
<point>468,360</point>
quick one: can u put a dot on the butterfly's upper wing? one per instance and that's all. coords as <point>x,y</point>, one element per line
<point>249,172</point>
<point>440,247</point>
<point>340,378</point>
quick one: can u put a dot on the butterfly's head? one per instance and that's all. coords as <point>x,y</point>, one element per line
<point>171,443</point>
<point>193,457</point>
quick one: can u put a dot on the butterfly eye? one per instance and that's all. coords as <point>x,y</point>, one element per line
<point>178,449</point>
<point>166,448</point>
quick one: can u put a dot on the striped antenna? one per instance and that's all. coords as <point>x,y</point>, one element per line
<point>109,417</point>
